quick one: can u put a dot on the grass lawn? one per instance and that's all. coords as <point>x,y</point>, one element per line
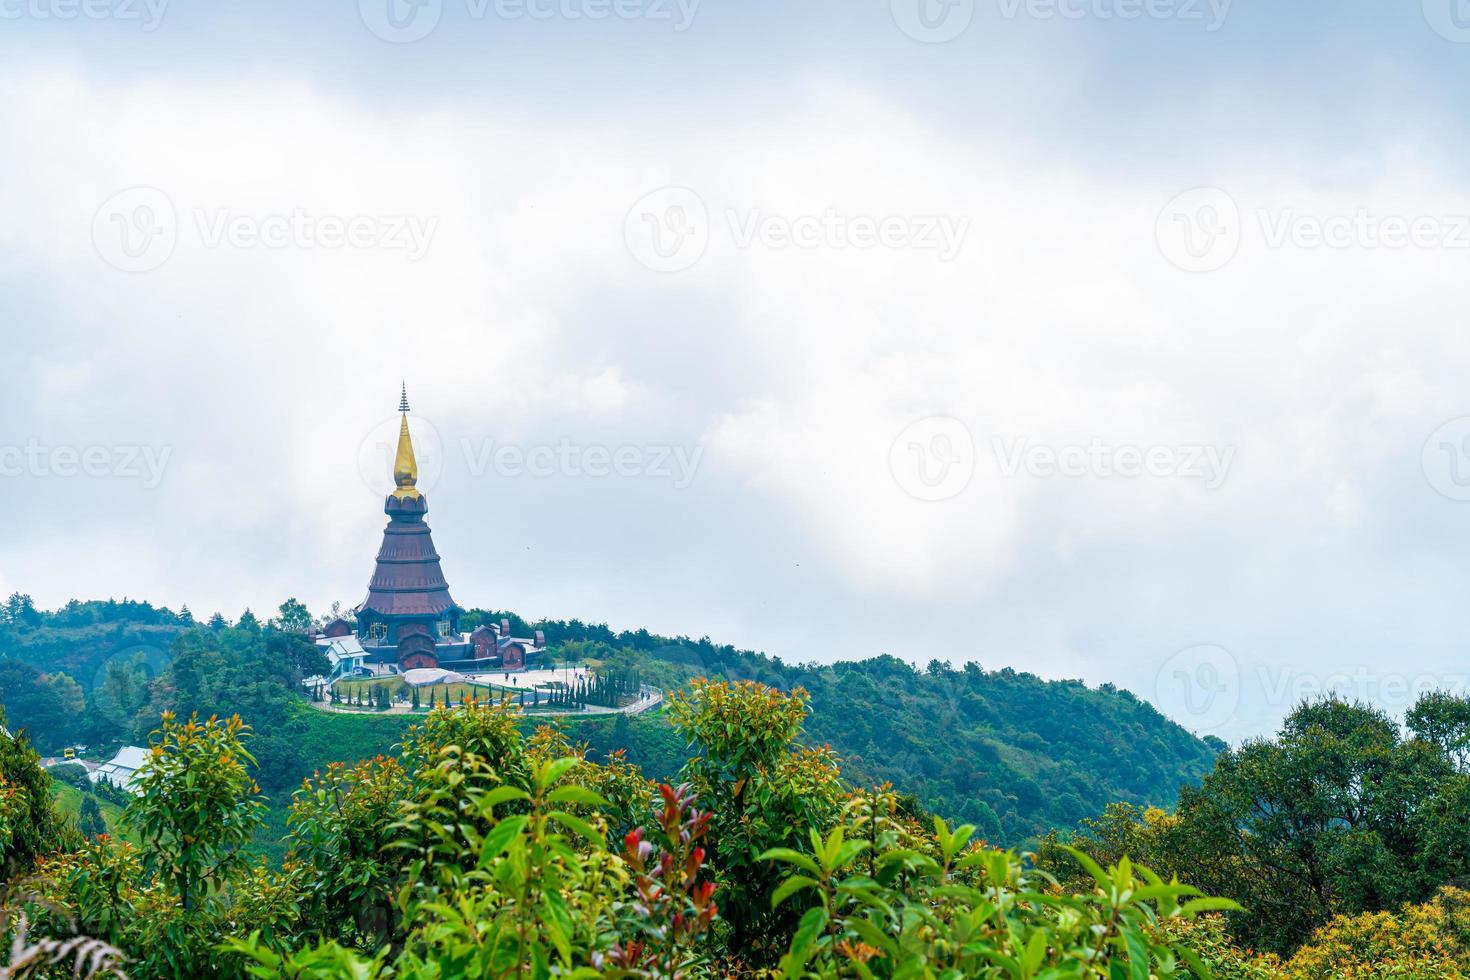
<point>324,737</point>
<point>68,800</point>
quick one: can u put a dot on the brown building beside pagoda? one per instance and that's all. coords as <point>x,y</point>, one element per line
<point>409,620</point>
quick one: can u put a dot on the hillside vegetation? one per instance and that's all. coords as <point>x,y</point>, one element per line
<point>1012,753</point>
<point>474,850</point>
<point>471,841</point>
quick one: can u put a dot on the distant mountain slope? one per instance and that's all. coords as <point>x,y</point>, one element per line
<point>1013,753</point>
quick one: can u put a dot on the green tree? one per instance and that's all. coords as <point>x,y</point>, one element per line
<point>196,806</point>
<point>170,901</point>
<point>68,693</point>
<point>293,617</point>
<point>764,793</point>
<point>30,825</point>
<point>34,705</point>
<point>89,819</point>
<point>1443,719</point>
<point>19,610</point>
<point>341,835</point>
<point>1337,815</point>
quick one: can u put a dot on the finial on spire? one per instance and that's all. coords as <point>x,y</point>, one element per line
<point>405,466</point>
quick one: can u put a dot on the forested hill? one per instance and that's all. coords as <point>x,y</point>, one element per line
<point>1002,749</point>
<point>1008,751</point>
<point>1013,753</point>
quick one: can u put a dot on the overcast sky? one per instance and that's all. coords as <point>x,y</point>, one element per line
<point>1111,339</point>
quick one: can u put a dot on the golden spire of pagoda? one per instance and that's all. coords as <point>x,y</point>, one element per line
<point>405,466</point>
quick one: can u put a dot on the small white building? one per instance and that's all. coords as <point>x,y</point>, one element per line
<point>122,769</point>
<point>346,656</point>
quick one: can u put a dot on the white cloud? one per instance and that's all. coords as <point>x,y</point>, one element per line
<point>1059,322</point>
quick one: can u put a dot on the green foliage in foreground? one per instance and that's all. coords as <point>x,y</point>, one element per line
<point>29,825</point>
<point>474,851</point>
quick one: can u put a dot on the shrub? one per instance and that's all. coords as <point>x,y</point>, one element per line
<point>72,774</point>
<point>1418,942</point>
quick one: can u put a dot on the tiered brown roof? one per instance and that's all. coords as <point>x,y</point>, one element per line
<point>408,580</point>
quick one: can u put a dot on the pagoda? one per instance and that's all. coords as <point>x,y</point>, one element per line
<point>409,615</point>
<point>409,620</point>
